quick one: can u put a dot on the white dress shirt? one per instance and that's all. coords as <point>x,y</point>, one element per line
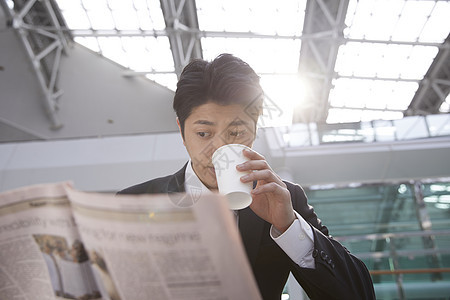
<point>297,241</point>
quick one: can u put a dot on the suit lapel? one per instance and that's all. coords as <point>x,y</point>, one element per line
<point>251,227</point>
<point>176,182</point>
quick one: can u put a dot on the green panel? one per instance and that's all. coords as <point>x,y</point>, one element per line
<point>361,217</point>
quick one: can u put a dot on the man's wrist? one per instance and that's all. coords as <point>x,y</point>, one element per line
<point>283,228</point>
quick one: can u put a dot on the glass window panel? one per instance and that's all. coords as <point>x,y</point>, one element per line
<point>154,9</point>
<point>138,56</point>
<point>286,17</point>
<point>411,128</point>
<point>125,19</point>
<point>111,47</point>
<point>367,62</point>
<point>69,4</point>
<point>210,16</point>
<point>384,60</point>
<point>300,134</point>
<point>76,18</point>
<point>264,55</point>
<point>392,115</point>
<point>393,60</point>
<point>99,5</point>
<point>101,19</point>
<point>140,4</point>
<point>257,19</point>
<point>437,27</point>
<point>419,61</point>
<point>160,54</point>
<point>336,100</point>
<point>384,130</point>
<point>358,20</point>
<point>237,16</point>
<point>167,80</point>
<point>290,16</point>
<point>120,4</point>
<point>348,91</point>
<point>380,90</point>
<point>369,115</point>
<point>218,15</point>
<point>439,125</point>
<point>445,106</point>
<point>338,115</point>
<point>356,101</point>
<point>372,19</point>
<point>401,95</point>
<point>351,10</point>
<point>367,130</point>
<point>298,139</point>
<point>347,54</point>
<point>412,20</point>
<point>382,20</point>
<point>374,94</point>
<point>145,23</point>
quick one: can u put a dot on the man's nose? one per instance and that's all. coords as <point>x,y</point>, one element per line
<point>217,143</point>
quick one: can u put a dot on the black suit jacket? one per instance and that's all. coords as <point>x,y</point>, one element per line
<point>337,274</point>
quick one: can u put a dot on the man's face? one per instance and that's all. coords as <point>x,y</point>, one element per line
<point>211,126</point>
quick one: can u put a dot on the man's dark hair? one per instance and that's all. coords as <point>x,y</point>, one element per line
<point>225,80</point>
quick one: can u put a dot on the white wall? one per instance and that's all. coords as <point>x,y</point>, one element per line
<point>100,164</point>
<point>371,162</point>
<point>113,163</point>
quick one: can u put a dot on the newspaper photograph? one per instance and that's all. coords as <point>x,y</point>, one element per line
<point>41,253</point>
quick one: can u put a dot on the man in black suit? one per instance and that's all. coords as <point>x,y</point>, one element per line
<point>219,103</point>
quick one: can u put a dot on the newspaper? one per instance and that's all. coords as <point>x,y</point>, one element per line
<point>60,243</point>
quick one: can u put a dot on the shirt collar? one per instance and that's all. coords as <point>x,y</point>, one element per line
<point>192,184</point>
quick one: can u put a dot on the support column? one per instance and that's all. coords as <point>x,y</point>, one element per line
<point>43,46</point>
<point>323,34</point>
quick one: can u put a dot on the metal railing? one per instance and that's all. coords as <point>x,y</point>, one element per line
<point>407,128</point>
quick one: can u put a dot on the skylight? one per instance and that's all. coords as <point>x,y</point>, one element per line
<point>391,45</point>
<point>388,48</point>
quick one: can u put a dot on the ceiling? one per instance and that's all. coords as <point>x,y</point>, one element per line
<point>323,61</point>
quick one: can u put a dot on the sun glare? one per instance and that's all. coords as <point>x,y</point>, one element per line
<point>284,93</point>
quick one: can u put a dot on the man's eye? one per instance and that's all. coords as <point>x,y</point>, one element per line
<point>237,133</point>
<point>203,134</point>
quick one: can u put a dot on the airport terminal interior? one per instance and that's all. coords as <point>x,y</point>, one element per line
<point>356,109</point>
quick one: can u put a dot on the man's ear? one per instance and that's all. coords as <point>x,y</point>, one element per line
<point>181,133</point>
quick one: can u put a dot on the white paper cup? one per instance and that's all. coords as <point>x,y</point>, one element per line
<point>225,159</point>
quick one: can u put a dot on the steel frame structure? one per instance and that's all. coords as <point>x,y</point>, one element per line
<point>435,86</point>
<point>324,21</point>
<point>180,17</point>
<point>43,47</point>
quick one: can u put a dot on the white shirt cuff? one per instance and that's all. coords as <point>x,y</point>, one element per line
<point>297,242</point>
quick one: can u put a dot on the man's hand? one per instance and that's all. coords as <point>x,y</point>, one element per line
<point>271,198</point>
